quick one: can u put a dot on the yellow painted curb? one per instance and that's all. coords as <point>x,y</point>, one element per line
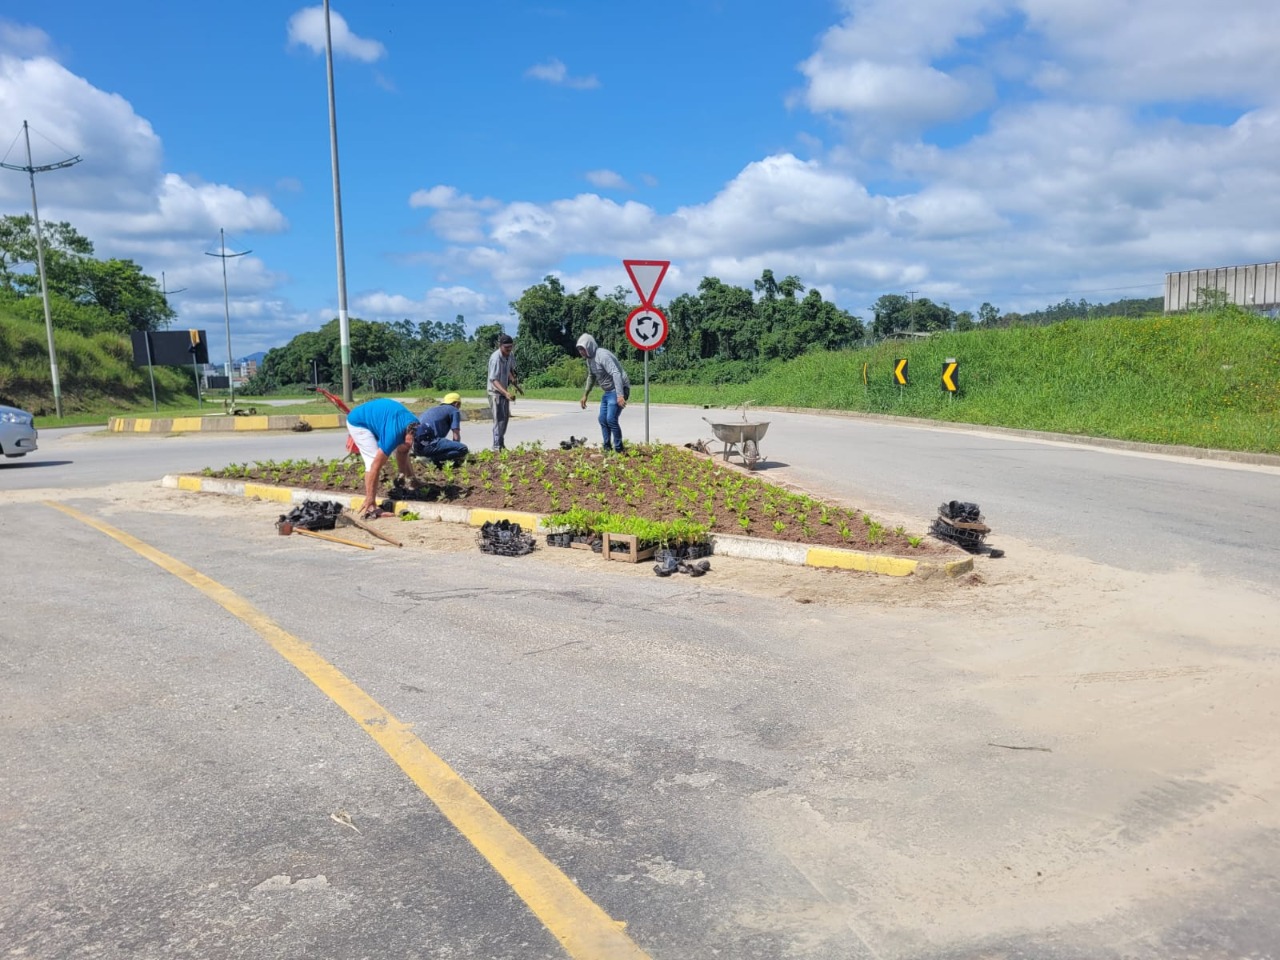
<point>829,557</point>
<point>865,562</point>
<point>478,518</point>
<point>265,492</point>
<point>216,422</point>
<point>956,567</point>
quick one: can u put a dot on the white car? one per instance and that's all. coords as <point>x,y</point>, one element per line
<point>17,432</point>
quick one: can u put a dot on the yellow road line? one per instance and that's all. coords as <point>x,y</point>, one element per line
<point>584,930</point>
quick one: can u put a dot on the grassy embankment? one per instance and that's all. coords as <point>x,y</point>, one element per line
<point>1205,380</point>
<point>1208,380</point>
<point>99,380</point>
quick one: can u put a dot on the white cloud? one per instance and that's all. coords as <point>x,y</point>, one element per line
<point>306,29</point>
<point>458,218</point>
<point>122,199</point>
<point>1188,51</point>
<point>877,64</point>
<point>894,93</point>
<point>439,303</point>
<point>22,40</point>
<point>120,191</point>
<point>607,180</point>
<point>556,73</point>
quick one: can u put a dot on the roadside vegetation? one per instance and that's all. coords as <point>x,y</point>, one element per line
<point>1209,378</point>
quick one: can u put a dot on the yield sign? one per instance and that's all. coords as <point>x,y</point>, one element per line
<point>646,277</point>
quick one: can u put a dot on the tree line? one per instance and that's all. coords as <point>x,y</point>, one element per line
<point>86,295</point>
<point>721,333</point>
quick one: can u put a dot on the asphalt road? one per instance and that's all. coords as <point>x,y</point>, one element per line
<point>1137,511</point>
<point>218,742</point>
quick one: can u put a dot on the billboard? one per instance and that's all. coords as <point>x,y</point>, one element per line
<point>169,348</point>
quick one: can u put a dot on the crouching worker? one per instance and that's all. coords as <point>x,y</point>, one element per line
<point>603,368</point>
<point>382,429</point>
<point>433,441</point>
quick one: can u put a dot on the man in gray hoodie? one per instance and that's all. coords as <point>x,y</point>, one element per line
<point>603,368</point>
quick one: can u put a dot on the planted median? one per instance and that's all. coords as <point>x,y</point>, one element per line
<point>672,486</point>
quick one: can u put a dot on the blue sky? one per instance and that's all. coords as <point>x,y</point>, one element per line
<point>1011,151</point>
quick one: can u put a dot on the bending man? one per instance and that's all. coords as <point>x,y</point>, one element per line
<point>603,368</point>
<point>382,429</point>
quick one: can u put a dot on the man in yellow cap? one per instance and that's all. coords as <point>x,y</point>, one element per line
<point>432,441</point>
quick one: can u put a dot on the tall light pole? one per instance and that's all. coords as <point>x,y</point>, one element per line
<point>226,309</point>
<point>344,323</point>
<point>31,170</point>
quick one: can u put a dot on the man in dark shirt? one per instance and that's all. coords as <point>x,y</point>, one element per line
<point>432,441</point>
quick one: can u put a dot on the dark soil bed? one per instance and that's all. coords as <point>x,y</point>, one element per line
<point>655,482</point>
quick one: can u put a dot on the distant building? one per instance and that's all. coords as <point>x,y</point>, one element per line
<point>1256,286</point>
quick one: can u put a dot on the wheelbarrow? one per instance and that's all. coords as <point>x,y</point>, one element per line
<point>741,438</point>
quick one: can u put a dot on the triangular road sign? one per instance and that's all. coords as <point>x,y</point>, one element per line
<point>646,277</point>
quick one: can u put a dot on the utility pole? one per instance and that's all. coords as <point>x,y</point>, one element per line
<point>344,323</point>
<point>31,170</point>
<point>226,309</point>
<point>911,310</point>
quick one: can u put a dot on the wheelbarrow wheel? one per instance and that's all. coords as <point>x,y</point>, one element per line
<point>750,453</point>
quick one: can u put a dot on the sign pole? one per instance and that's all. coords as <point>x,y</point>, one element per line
<point>146,337</point>
<point>646,397</point>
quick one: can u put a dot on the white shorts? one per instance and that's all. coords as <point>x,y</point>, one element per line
<point>366,442</point>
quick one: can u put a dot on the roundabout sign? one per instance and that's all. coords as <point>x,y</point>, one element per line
<point>646,327</point>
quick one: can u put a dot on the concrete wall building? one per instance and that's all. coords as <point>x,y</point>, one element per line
<point>1256,286</point>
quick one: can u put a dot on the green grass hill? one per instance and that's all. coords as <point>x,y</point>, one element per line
<point>1203,379</point>
<point>96,372</point>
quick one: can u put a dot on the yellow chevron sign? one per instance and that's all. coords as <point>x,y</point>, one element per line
<point>951,376</point>
<point>900,372</point>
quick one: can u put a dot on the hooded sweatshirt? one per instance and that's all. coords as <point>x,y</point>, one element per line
<point>603,368</point>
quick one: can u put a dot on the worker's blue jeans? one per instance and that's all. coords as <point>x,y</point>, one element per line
<point>609,428</point>
<point>442,451</point>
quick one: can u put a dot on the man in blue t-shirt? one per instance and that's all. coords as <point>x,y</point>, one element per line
<point>432,440</point>
<point>382,429</point>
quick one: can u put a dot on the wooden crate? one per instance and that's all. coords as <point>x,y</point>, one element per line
<point>633,553</point>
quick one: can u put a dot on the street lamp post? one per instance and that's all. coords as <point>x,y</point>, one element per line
<point>31,170</point>
<point>344,323</point>
<point>226,310</point>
